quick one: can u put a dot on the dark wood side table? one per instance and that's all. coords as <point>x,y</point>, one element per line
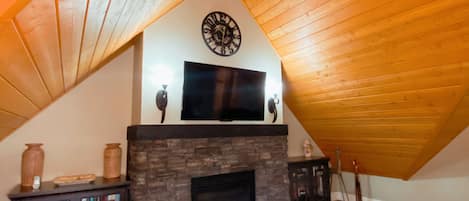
<point>99,190</point>
<point>309,179</point>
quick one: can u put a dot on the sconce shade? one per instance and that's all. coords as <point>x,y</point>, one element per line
<point>273,108</point>
<point>162,101</point>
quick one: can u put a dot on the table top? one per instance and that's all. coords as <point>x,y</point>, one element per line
<point>49,188</point>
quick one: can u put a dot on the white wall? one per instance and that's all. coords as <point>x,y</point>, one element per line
<point>176,38</point>
<point>297,135</point>
<point>452,161</point>
<point>76,127</point>
<point>388,189</point>
<point>444,178</point>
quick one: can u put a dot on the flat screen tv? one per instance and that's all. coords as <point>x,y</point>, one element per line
<point>212,92</point>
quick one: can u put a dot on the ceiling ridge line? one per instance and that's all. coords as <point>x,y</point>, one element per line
<point>465,90</point>
<point>99,35</point>
<point>31,59</point>
<point>438,132</point>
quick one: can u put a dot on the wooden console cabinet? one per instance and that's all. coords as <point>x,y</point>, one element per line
<point>309,179</point>
<point>99,190</point>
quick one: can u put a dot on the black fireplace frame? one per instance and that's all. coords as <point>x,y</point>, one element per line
<point>212,183</point>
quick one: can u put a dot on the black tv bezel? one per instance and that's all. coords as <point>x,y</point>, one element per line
<point>186,117</point>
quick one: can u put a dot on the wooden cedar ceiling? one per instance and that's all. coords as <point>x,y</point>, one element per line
<point>49,46</point>
<point>385,81</point>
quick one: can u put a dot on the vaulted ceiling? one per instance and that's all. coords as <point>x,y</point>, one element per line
<point>384,81</point>
<point>49,46</point>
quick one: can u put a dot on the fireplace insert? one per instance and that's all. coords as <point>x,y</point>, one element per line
<point>239,186</point>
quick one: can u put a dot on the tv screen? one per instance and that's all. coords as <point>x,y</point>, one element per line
<point>213,92</point>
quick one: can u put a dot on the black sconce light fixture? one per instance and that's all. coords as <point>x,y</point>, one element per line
<point>273,101</point>
<point>162,101</point>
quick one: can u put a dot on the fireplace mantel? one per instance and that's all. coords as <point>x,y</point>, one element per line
<point>175,131</point>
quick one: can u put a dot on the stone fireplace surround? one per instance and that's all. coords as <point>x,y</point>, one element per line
<point>162,159</point>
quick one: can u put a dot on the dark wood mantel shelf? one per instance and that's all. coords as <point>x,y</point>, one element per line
<point>169,131</point>
<point>49,191</point>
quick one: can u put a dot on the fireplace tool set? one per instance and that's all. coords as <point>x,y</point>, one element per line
<point>338,172</point>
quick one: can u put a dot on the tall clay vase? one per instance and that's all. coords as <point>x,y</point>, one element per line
<point>32,164</point>
<point>112,161</point>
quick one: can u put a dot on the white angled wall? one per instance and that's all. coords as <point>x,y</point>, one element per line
<point>297,135</point>
<point>177,37</point>
<point>75,128</point>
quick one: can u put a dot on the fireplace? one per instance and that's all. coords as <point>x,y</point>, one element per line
<point>187,162</point>
<point>239,186</point>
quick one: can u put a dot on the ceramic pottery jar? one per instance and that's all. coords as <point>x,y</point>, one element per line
<point>112,161</point>
<point>32,164</point>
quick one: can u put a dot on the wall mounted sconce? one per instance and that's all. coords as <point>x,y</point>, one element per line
<point>162,101</point>
<point>273,101</point>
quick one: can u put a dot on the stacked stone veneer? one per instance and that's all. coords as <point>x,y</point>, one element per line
<point>161,170</point>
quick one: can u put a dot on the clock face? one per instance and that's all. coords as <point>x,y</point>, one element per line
<point>221,33</point>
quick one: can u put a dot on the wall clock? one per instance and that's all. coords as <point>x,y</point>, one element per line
<point>221,33</point>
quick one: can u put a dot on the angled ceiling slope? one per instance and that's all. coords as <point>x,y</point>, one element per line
<point>386,81</point>
<point>49,46</point>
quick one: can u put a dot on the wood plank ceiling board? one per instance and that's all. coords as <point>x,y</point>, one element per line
<point>384,80</point>
<point>159,10</point>
<point>18,68</point>
<point>154,10</point>
<point>121,27</point>
<point>9,8</point>
<point>94,20</point>
<point>14,102</point>
<point>37,23</point>
<point>455,124</point>
<point>71,22</point>
<point>4,132</point>
<point>10,120</point>
<point>114,13</point>
<point>136,20</point>
<point>50,46</point>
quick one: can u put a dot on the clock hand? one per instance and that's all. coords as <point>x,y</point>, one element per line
<point>223,36</point>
